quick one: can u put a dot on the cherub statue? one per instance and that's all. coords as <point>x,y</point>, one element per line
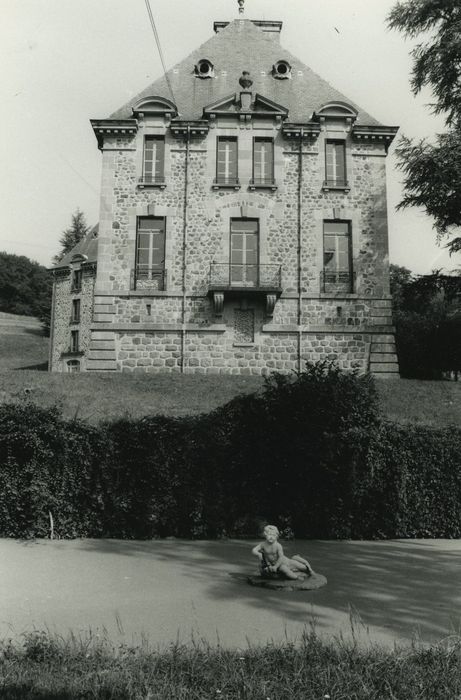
<point>273,563</point>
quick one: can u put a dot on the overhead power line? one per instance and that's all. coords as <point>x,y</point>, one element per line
<point>157,41</point>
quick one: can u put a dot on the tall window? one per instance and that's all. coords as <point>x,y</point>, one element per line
<point>154,160</point>
<point>263,161</point>
<point>75,316</point>
<point>74,341</point>
<point>244,256</point>
<point>337,256</point>
<point>226,161</point>
<point>335,163</point>
<point>76,280</point>
<point>150,250</point>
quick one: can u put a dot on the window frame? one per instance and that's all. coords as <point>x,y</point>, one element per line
<point>347,284</point>
<point>227,181</point>
<point>336,183</point>
<point>257,232</point>
<point>153,180</point>
<point>76,305</point>
<point>77,277</point>
<point>73,366</point>
<point>154,271</point>
<point>260,182</point>
<point>75,341</point>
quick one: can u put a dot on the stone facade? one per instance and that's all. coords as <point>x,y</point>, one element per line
<point>186,321</point>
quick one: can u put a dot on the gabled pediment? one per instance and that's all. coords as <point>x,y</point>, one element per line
<point>155,105</point>
<point>245,102</point>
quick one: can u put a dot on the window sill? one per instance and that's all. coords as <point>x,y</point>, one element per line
<point>75,290</point>
<point>243,345</point>
<point>263,186</point>
<point>231,185</point>
<point>337,187</point>
<point>74,321</point>
<point>72,353</point>
<point>145,184</point>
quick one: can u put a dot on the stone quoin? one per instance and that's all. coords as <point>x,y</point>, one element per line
<point>243,224</point>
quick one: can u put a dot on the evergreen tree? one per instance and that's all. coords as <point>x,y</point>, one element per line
<point>432,171</point>
<point>72,235</point>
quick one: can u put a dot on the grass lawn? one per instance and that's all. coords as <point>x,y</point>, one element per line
<point>64,669</point>
<point>101,396</point>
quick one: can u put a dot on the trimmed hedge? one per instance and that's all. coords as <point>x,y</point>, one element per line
<point>310,454</point>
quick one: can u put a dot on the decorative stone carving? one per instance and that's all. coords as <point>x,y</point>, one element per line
<point>245,80</point>
<point>218,302</point>
<point>270,304</point>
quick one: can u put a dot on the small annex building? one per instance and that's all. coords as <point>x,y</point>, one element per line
<point>243,224</point>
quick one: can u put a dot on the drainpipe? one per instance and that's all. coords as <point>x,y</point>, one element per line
<point>300,223</point>
<point>53,306</point>
<point>184,253</point>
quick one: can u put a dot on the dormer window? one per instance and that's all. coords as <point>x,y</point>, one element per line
<point>281,70</point>
<point>204,69</point>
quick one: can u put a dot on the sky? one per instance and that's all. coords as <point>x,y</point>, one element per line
<point>64,62</point>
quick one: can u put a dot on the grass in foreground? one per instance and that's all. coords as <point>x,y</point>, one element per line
<point>45,666</point>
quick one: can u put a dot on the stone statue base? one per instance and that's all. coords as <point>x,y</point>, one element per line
<point>308,583</point>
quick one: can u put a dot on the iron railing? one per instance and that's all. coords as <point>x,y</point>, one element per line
<point>153,278</point>
<point>337,281</point>
<point>234,275</point>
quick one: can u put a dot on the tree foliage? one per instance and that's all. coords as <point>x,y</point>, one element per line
<point>72,235</point>
<point>25,286</point>
<point>433,171</point>
<point>427,316</point>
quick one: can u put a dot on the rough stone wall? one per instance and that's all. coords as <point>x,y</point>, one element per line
<point>152,327</point>
<point>62,324</point>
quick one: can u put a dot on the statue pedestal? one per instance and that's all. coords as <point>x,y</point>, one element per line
<point>309,583</point>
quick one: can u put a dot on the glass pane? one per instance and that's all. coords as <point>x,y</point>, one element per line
<point>237,256</point>
<point>336,227</point>
<point>143,240</point>
<point>244,225</point>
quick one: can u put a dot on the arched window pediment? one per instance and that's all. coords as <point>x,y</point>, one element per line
<point>155,105</point>
<point>336,110</point>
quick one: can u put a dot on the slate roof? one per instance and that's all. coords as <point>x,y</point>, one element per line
<point>88,246</point>
<point>244,46</point>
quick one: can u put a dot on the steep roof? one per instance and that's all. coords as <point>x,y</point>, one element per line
<point>237,47</point>
<point>87,247</point>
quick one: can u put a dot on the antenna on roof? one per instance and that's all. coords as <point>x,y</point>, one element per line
<point>241,6</point>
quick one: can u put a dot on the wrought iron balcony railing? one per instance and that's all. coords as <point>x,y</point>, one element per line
<point>236,276</point>
<point>149,278</point>
<point>337,281</point>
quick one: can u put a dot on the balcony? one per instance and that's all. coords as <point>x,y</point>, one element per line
<point>337,281</point>
<point>148,278</point>
<point>263,183</point>
<point>238,280</point>
<point>226,182</point>
<point>152,181</point>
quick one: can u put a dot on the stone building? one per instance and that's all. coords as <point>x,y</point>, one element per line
<point>243,224</point>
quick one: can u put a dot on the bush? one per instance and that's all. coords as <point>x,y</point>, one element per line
<point>309,454</point>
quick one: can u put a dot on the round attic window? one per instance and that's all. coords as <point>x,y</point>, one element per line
<point>204,69</point>
<point>281,70</point>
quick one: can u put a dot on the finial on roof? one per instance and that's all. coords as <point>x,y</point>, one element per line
<point>241,6</point>
<point>245,80</point>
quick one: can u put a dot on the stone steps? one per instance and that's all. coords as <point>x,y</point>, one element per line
<point>383,357</point>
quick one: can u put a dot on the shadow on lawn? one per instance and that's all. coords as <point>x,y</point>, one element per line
<point>402,587</point>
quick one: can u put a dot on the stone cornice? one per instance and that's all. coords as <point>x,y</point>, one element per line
<point>368,134</point>
<point>113,127</point>
<point>307,130</point>
<point>184,128</point>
